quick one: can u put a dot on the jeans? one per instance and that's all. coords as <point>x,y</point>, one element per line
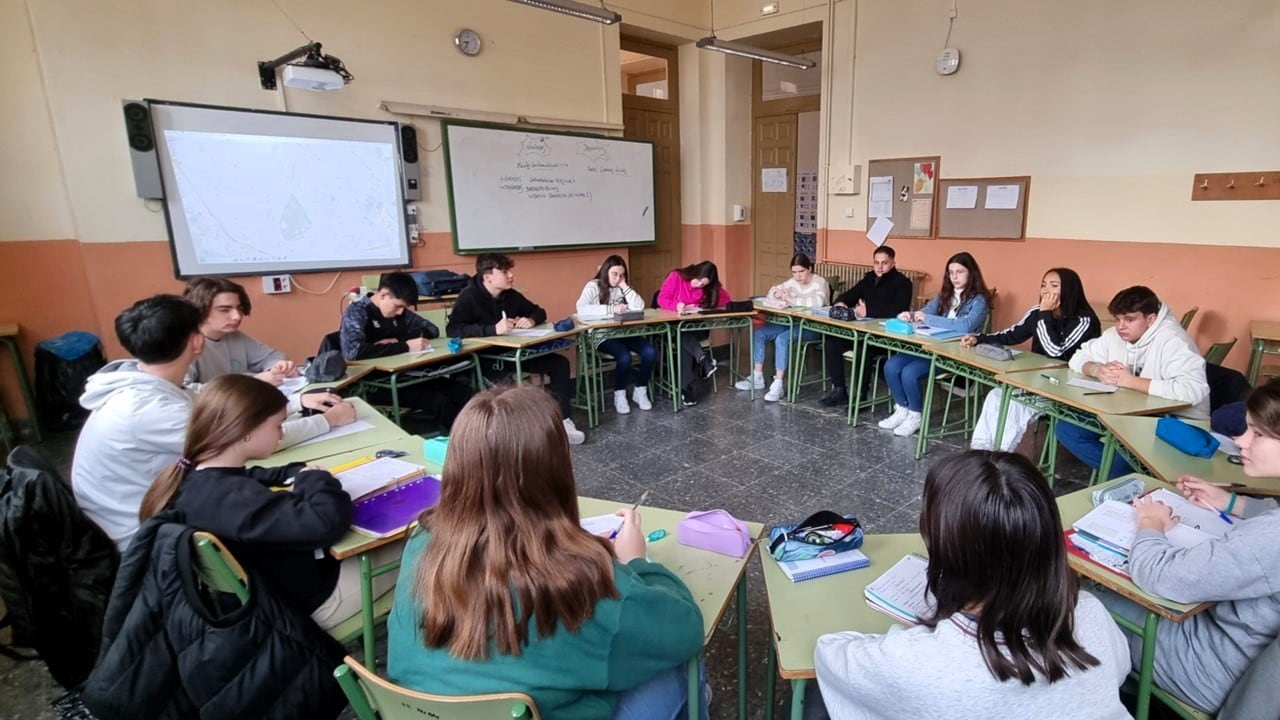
<point>664,697</point>
<point>621,349</point>
<point>781,339</point>
<point>903,374</point>
<point>1087,445</point>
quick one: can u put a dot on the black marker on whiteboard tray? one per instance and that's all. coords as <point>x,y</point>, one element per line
<point>645,211</point>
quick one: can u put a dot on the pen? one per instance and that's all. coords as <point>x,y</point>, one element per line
<point>1225,518</point>
<point>643,495</point>
<point>1097,392</point>
<point>1053,380</point>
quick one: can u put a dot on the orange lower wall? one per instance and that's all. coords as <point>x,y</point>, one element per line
<point>1231,285</point>
<point>53,286</point>
<point>728,246</point>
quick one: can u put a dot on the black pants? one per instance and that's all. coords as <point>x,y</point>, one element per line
<point>833,350</point>
<point>554,365</point>
<point>691,347</point>
<point>441,398</point>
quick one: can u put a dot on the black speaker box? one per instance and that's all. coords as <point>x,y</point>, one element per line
<point>142,149</point>
<point>409,154</point>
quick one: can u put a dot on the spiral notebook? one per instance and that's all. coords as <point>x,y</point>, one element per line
<point>797,570</point>
<point>393,509</point>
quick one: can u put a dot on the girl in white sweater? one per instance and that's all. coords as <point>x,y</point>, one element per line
<point>1011,635</point>
<point>804,289</point>
<point>607,293</point>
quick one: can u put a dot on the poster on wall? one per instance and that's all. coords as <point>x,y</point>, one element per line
<point>806,201</point>
<point>924,178</point>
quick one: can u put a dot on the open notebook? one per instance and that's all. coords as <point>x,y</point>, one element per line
<point>901,592</point>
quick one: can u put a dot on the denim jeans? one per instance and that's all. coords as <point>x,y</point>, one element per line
<point>621,349</point>
<point>1087,445</point>
<point>781,339</point>
<point>903,374</point>
<point>665,697</point>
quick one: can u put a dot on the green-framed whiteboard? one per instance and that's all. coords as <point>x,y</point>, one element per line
<point>517,189</point>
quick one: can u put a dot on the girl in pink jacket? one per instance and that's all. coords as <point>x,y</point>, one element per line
<point>694,288</point>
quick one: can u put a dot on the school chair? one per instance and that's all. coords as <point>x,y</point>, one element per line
<point>1251,698</point>
<point>1188,316</point>
<point>796,375</point>
<point>1217,352</point>
<point>373,698</point>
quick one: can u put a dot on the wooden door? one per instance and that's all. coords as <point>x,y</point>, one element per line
<point>773,228</point>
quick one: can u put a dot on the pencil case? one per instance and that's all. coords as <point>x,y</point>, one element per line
<point>900,327</point>
<point>434,449</point>
<point>714,530</point>
<point>1186,437</point>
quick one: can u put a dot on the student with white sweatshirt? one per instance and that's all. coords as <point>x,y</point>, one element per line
<point>803,289</point>
<point>607,293</point>
<point>1146,350</point>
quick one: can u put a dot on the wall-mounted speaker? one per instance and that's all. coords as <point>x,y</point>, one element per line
<point>409,154</point>
<point>142,149</point>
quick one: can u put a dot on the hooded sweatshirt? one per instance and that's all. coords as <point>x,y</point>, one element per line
<point>1165,355</point>
<point>136,428</point>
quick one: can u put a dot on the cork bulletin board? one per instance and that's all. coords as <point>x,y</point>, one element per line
<point>990,207</point>
<point>906,189</point>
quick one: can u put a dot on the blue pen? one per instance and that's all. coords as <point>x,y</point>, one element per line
<point>643,495</point>
<point>1225,517</point>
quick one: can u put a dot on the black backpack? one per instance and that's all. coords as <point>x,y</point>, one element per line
<point>63,364</point>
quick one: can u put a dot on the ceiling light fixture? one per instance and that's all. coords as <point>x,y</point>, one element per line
<point>711,42</point>
<point>584,11</point>
<point>317,71</point>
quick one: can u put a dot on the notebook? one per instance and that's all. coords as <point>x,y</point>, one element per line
<point>937,333</point>
<point>362,479</point>
<point>1091,385</point>
<point>798,570</point>
<point>394,509</point>
<point>601,524</point>
<point>1115,524</point>
<point>901,592</point>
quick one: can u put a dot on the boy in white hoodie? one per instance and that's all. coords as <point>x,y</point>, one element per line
<point>1146,350</point>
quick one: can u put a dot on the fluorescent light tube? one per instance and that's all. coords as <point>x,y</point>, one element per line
<point>711,42</point>
<point>576,9</point>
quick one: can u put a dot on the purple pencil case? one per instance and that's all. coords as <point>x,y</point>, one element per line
<point>714,530</point>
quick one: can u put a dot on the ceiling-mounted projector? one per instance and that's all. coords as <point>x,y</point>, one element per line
<point>316,71</point>
<point>312,78</point>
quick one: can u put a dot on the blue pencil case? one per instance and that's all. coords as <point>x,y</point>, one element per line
<point>1186,437</point>
<point>900,327</point>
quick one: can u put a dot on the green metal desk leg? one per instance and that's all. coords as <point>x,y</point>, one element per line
<point>678,352</point>
<point>770,679</point>
<point>734,352</point>
<point>855,397</point>
<point>1255,361</point>
<point>33,420</point>
<point>673,372</point>
<point>395,398</point>
<point>366,610</point>
<point>1006,392</point>
<point>797,698</point>
<point>742,648</point>
<point>694,706</point>
<point>1146,671</point>
<point>519,369</point>
<point>1108,456</point>
<point>923,441</point>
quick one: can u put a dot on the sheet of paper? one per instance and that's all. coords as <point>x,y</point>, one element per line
<point>600,524</point>
<point>1226,445</point>
<point>773,180</point>
<point>355,427</point>
<point>423,351</point>
<point>962,197</point>
<point>1117,523</point>
<point>881,205</point>
<point>903,586</point>
<point>1192,515</point>
<point>1092,385</point>
<point>364,479</point>
<point>1001,197</point>
<point>293,385</point>
<point>879,230</point>
<point>921,214</point>
<point>531,332</point>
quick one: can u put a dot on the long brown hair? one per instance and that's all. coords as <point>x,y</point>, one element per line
<point>994,537</point>
<point>976,285</point>
<point>1263,406</point>
<point>226,410</point>
<point>705,270</point>
<point>602,277</point>
<point>506,547</point>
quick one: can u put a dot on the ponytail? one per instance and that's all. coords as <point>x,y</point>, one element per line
<point>160,495</point>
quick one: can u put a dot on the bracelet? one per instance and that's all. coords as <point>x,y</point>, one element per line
<point>1230,504</point>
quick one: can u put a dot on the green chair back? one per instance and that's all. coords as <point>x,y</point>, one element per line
<point>217,569</point>
<point>438,317</point>
<point>373,698</point>
<point>1188,316</point>
<point>1217,352</point>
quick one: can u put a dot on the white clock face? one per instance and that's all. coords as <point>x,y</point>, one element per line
<point>468,42</point>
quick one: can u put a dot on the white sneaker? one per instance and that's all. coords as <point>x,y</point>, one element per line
<point>620,402</point>
<point>910,425</point>
<point>576,436</point>
<point>776,391</point>
<point>755,382</point>
<point>899,414</point>
<point>641,397</point>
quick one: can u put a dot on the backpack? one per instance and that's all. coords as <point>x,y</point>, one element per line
<point>63,364</point>
<point>434,283</point>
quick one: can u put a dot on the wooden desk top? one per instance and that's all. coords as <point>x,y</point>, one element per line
<point>383,430</point>
<point>354,372</point>
<point>354,543</point>
<point>1265,330</point>
<point>711,577</point>
<point>8,329</point>
<point>522,341</point>
<point>440,353</point>
<point>875,328</point>
<point>1120,402</point>
<point>1076,505</point>
<point>800,612</point>
<point>652,316</point>
<point>1021,362</point>
<point>1138,434</point>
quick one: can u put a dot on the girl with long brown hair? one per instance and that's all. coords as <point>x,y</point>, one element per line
<point>501,590</point>
<point>694,286</point>
<point>284,536</point>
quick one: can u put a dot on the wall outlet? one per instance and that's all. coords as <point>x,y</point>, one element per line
<point>848,212</point>
<point>276,284</point>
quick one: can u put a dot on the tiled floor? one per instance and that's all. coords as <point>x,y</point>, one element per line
<point>768,462</point>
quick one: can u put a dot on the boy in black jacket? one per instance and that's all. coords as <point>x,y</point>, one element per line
<point>378,326</point>
<point>490,306</point>
<point>882,293</point>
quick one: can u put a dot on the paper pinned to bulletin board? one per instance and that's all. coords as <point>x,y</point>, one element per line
<point>904,190</point>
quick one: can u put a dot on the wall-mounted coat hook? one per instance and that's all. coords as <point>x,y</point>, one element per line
<point>1262,181</point>
<point>1232,184</point>
<point>1254,185</point>
<point>1204,184</point>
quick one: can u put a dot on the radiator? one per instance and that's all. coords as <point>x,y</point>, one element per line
<point>843,276</point>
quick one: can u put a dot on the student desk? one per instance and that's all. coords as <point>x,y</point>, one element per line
<point>712,579</point>
<point>402,370</point>
<point>353,375</point>
<point>1138,435</point>
<point>9,337</point>
<point>1048,392</point>
<point>875,335</point>
<point>656,323</point>
<point>1074,506</point>
<point>383,431</point>
<point>954,358</point>
<point>800,612</point>
<point>1266,341</point>
<point>797,320</point>
<point>355,544</point>
<point>518,348</point>
<point>717,320</point>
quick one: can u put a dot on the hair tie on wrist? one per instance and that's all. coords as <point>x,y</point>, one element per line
<point>184,463</point>
<point>1230,504</point>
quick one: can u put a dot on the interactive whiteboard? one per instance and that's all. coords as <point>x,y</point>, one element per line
<point>515,189</point>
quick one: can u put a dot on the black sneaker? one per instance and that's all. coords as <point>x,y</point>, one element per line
<point>708,366</point>
<point>836,397</point>
<point>687,398</point>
